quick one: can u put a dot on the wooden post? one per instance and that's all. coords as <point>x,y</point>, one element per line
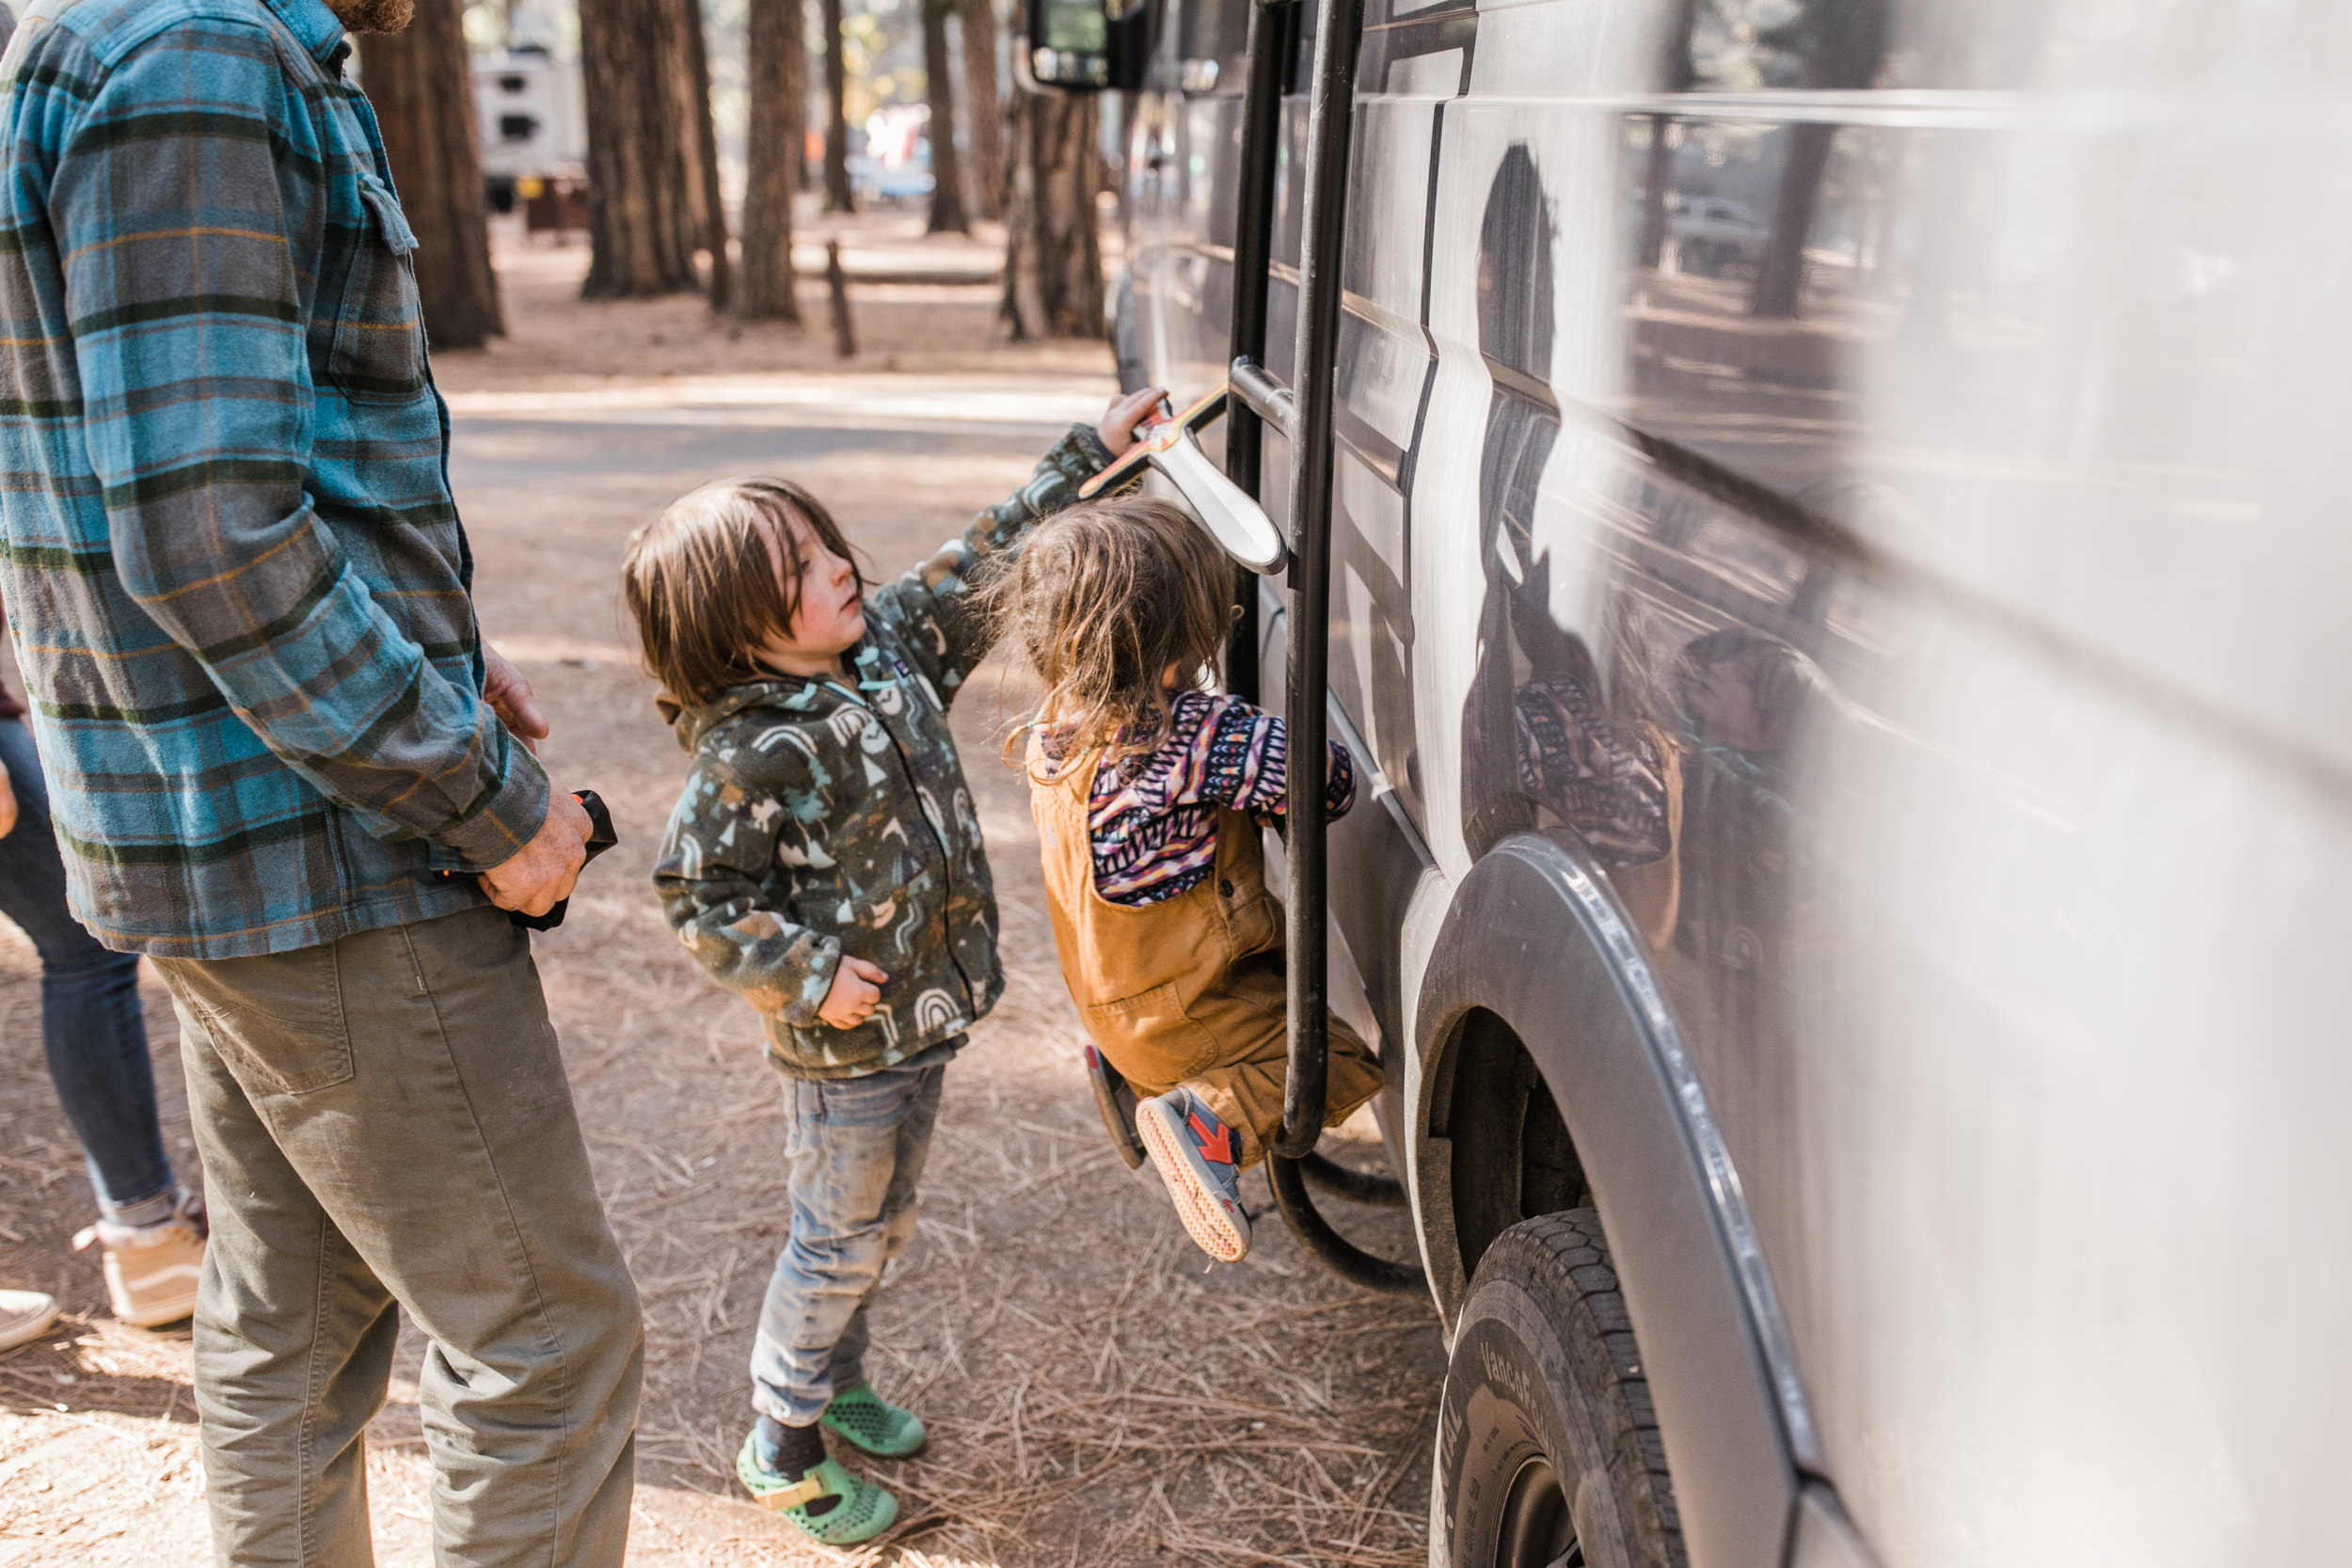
<point>837,283</point>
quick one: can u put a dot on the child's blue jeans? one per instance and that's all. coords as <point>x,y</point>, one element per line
<point>853,1153</point>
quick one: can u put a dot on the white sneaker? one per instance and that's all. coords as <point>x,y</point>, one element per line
<point>152,1270</point>
<point>24,1317</point>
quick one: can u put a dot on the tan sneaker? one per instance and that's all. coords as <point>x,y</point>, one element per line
<point>24,1317</point>
<point>152,1270</point>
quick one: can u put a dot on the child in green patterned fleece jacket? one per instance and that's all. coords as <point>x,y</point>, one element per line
<point>825,864</point>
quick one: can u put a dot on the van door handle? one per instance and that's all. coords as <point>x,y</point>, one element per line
<point>1228,512</point>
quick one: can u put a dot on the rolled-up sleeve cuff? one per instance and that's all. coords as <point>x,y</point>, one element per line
<point>496,831</point>
<point>801,1012</point>
<point>1085,443</point>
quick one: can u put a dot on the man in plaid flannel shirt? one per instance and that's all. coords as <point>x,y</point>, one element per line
<point>239,594</point>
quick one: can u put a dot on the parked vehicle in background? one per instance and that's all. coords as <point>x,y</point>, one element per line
<point>890,159</point>
<point>1859,841</point>
<point>1712,235</point>
<point>533,121</point>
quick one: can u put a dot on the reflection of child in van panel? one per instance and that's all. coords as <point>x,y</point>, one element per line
<point>1148,795</point>
<point>1745,693</point>
<point>1605,780</point>
<point>1745,700</point>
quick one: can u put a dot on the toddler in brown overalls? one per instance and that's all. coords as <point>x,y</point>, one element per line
<point>1149,794</point>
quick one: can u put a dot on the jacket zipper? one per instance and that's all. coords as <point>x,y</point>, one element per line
<point>939,838</point>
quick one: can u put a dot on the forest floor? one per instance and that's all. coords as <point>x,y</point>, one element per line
<point>1096,1393</point>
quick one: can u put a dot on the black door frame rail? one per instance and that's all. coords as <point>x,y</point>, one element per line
<point>1305,419</point>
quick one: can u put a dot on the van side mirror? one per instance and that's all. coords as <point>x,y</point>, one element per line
<point>1089,45</point>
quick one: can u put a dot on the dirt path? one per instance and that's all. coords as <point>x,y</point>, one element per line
<point>1097,1395</point>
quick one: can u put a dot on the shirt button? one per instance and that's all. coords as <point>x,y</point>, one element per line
<point>1225,886</point>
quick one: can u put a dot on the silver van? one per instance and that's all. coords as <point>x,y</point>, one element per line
<point>1855,893</point>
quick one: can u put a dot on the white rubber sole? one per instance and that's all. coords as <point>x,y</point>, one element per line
<point>25,1326</point>
<point>1220,1233</point>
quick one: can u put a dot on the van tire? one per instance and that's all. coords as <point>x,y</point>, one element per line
<point>1546,1433</point>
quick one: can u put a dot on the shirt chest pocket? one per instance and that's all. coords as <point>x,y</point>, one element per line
<point>373,336</point>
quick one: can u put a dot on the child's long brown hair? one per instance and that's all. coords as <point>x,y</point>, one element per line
<point>702,580</point>
<point>1104,597</point>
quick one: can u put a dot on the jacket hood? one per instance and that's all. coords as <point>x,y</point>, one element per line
<point>690,723</point>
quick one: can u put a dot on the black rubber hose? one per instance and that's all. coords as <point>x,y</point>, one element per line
<point>1336,1252</point>
<point>1368,1188</point>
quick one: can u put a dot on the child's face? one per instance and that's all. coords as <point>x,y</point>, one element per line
<point>831,616</point>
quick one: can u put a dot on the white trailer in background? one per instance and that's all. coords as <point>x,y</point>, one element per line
<point>532,120</point>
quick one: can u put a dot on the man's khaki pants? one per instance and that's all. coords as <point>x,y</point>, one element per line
<point>386,1125</point>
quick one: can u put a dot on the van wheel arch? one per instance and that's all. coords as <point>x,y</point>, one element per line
<point>1534,950</point>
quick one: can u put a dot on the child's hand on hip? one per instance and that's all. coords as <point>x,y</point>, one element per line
<point>856,988</point>
<point>1117,429</point>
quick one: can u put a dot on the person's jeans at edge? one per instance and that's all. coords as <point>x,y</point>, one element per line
<point>92,1028</point>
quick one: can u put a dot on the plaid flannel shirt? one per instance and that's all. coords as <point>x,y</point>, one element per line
<point>234,571</point>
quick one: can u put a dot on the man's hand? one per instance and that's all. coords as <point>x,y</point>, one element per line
<point>856,987</point>
<point>1117,429</point>
<point>509,696</point>
<point>8,804</point>
<point>535,881</point>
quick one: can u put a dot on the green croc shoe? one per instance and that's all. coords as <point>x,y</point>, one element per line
<point>873,1423</point>
<point>864,1512</point>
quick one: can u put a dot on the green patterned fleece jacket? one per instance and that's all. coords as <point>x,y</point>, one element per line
<point>826,817</point>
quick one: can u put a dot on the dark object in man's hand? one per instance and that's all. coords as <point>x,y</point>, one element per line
<point>601,837</point>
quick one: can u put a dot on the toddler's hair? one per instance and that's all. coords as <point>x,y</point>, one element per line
<point>1104,597</point>
<point>702,580</point>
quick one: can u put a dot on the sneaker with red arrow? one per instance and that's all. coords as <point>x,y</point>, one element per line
<point>1196,1155</point>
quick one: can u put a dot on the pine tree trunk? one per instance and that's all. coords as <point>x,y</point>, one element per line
<point>1656,186</point>
<point>704,143</point>
<point>939,91</point>
<point>421,83</point>
<point>777,43</point>
<point>1066,170</point>
<point>640,209</point>
<point>838,196</point>
<point>1018,309</point>
<point>984,169</point>
<point>794,104</point>
<point>1780,271</point>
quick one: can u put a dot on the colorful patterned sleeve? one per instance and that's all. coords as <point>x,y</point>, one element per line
<point>1241,760</point>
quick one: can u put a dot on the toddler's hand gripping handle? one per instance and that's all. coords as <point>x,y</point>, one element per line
<point>1231,518</point>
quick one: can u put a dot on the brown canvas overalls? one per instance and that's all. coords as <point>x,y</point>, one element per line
<point>1190,990</point>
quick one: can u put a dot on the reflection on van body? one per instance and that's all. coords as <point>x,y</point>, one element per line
<point>1868,469</point>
